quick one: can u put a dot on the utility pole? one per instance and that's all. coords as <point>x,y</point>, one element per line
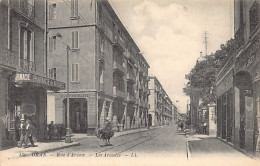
<point>206,43</point>
<point>68,133</point>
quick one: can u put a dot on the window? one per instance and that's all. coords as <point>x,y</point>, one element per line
<point>102,45</point>
<point>52,43</point>
<point>254,16</point>
<point>52,11</point>
<point>75,40</point>
<point>75,73</point>
<point>52,73</point>
<point>74,8</point>
<point>26,45</point>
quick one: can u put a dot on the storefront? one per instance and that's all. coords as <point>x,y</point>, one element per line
<point>246,84</point>
<point>27,97</point>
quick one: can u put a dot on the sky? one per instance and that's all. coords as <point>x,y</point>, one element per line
<point>171,35</point>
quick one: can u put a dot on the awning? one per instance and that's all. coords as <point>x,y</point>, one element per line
<point>36,80</point>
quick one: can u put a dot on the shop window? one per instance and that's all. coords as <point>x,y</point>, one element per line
<point>254,16</point>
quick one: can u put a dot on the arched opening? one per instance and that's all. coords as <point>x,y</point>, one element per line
<point>243,81</point>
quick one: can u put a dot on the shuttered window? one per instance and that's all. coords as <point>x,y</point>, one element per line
<point>74,8</point>
<point>75,40</point>
<point>52,11</point>
<point>52,43</point>
<point>75,73</point>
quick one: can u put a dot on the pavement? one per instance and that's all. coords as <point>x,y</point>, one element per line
<point>43,147</point>
<point>204,148</point>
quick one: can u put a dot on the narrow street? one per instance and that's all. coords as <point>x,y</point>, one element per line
<point>158,143</point>
<point>164,141</point>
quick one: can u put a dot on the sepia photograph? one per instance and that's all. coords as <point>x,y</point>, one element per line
<point>129,82</point>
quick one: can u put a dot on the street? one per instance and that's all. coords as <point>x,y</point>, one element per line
<point>161,141</point>
<point>158,145</point>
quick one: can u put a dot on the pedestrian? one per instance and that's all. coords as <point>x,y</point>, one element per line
<point>51,131</point>
<point>22,129</point>
<point>29,132</point>
<point>204,128</point>
<point>16,128</point>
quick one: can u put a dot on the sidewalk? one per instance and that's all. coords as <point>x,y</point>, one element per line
<point>43,147</point>
<point>206,146</point>
<point>39,150</point>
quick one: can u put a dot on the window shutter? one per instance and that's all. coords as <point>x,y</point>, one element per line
<point>72,8</point>
<point>50,12</point>
<point>77,72</point>
<point>76,8</point>
<point>76,39</point>
<point>72,73</point>
<point>72,40</point>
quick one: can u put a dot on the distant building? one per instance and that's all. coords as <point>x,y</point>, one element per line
<point>24,82</point>
<point>238,83</point>
<point>161,110</point>
<point>108,74</point>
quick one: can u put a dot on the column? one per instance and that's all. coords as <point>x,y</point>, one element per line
<point>110,112</point>
<point>102,115</point>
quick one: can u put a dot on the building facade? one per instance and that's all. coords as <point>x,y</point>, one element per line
<point>108,74</point>
<point>161,107</point>
<point>24,82</point>
<point>238,82</point>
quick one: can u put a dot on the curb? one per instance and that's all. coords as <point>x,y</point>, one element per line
<point>41,152</point>
<point>187,146</point>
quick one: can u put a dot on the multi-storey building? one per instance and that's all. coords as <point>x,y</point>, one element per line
<point>108,74</point>
<point>238,82</point>
<point>160,112</point>
<point>23,83</point>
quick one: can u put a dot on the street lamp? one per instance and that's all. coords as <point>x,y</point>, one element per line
<point>68,130</point>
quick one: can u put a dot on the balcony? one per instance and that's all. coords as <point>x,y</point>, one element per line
<point>8,60</point>
<point>118,67</point>
<point>101,87</point>
<point>101,26</point>
<point>119,43</point>
<point>131,98</point>
<point>101,56</point>
<point>30,79</point>
<point>27,66</point>
<point>131,77</point>
<point>118,93</point>
<point>239,37</point>
<point>27,8</point>
<point>140,85</point>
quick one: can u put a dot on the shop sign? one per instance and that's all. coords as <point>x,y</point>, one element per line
<point>248,57</point>
<point>225,84</point>
<point>20,77</point>
<point>78,95</point>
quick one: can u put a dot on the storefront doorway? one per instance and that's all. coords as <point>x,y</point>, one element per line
<point>78,115</point>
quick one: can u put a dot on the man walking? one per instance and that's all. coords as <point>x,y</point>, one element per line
<point>22,129</point>
<point>29,131</point>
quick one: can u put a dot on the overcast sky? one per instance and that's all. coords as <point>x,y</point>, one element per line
<point>170,33</point>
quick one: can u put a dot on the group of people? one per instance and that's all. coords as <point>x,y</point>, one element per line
<point>25,132</point>
<point>55,131</point>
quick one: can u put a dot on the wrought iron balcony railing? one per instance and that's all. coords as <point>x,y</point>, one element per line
<point>118,67</point>
<point>101,87</point>
<point>27,66</point>
<point>8,59</point>
<point>27,8</point>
